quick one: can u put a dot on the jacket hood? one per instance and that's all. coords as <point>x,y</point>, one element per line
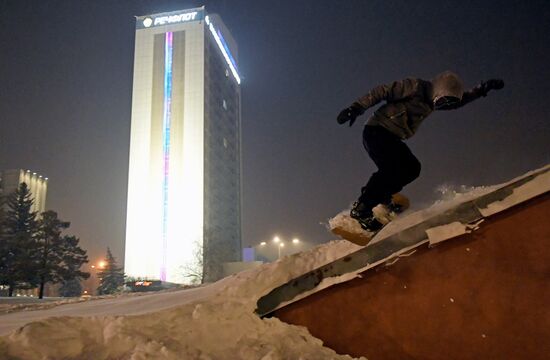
<point>447,87</point>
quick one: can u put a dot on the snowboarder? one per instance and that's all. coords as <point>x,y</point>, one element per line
<point>408,103</point>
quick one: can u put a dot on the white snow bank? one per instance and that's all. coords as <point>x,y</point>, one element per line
<point>211,322</point>
<point>440,206</point>
<point>410,218</point>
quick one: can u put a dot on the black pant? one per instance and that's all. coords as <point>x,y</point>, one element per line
<point>397,166</point>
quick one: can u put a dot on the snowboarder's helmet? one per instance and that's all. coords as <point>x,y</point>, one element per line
<point>447,90</point>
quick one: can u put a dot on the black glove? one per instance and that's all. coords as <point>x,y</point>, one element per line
<point>350,114</point>
<point>492,84</point>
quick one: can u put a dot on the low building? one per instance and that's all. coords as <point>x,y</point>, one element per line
<point>37,184</point>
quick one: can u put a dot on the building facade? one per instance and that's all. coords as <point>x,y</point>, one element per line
<point>184,184</point>
<point>37,185</point>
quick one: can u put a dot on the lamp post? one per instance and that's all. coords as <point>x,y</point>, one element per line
<point>280,244</point>
<point>93,280</point>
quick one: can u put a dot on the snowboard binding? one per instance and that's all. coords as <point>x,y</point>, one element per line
<point>360,224</point>
<point>367,221</point>
<point>375,219</point>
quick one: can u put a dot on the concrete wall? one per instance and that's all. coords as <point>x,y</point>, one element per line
<point>484,295</point>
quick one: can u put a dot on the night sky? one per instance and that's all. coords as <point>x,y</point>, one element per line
<point>66,82</point>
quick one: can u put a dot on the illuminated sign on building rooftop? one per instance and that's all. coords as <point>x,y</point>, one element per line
<point>176,17</point>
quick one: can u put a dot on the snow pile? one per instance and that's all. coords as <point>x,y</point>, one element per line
<point>48,303</point>
<point>45,304</point>
<point>211,322</point>
<point>453,196</point>
<point>450,201</point>
<point>220,325</point>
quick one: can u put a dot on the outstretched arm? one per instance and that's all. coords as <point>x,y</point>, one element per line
<point>478,91</point>
<point>391,92</point>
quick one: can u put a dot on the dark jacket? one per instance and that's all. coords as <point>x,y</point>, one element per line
<point>410,101</point>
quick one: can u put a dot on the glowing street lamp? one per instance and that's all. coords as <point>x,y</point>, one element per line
<point>281,245</point>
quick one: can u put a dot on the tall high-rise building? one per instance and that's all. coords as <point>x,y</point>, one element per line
<point>184,184</point>
<point>37,185</point>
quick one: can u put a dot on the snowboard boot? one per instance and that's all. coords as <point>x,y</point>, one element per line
<point>365,217</point>
<point>395,208</point>
<point>398,203</point>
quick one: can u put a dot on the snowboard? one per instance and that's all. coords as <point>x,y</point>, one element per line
<point>349,229</point>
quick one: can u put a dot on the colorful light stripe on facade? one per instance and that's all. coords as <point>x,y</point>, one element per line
<point>166,124</point>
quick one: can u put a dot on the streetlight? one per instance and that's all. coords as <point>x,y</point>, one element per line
<point>281,245</point>
<point>92,280</point>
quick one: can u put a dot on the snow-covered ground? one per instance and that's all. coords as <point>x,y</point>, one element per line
<point>215,321</point>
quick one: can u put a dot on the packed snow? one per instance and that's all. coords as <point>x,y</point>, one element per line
<point>215,321</point>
